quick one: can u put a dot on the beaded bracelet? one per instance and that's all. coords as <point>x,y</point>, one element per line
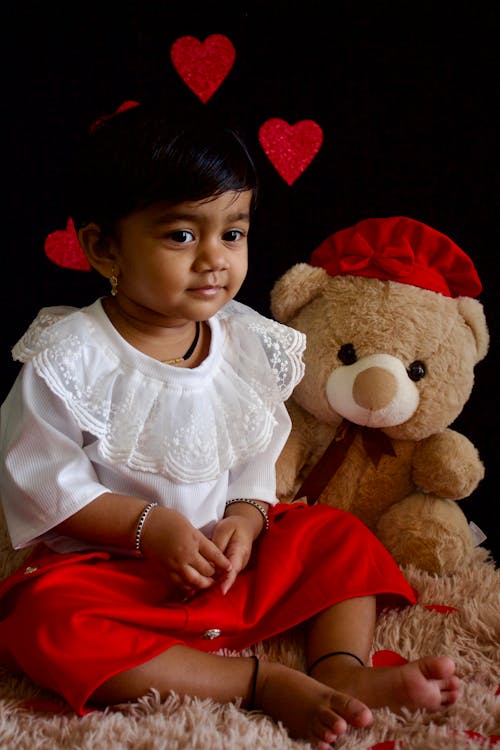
<point>259,507</point>
<point>140,525</point>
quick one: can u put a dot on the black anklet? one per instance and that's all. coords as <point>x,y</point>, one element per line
<point>253,684</point>
<point>334,653</point>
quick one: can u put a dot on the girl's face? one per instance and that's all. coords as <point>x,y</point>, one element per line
<point>182,262</point>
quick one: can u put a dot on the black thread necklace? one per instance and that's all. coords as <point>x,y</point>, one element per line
<point>189,351</point>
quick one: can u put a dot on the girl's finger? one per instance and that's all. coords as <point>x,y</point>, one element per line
<point>203,566</point>
<point>192,578</point>
<point>228,581</point>
<point>214,555</point>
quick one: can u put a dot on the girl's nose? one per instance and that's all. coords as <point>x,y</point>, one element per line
<point>211,256</point>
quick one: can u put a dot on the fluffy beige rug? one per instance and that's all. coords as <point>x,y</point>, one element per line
<point>458,615</point>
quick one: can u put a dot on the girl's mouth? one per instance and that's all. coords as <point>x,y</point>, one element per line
<point>206,291</point>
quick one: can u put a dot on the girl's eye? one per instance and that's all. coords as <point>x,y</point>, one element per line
<point>181,236</point>
<point>233,235</point>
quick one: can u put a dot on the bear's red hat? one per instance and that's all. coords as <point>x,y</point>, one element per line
<point>399,249</point>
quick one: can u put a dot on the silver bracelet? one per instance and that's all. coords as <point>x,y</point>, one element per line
<point>140,525</point>
<point>259,507</point>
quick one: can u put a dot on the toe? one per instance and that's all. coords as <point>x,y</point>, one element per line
<point>352,710</point>
<point>326,729</point>
<point>449,690</point>
<point>450,694</point>
<point>437,667</point>
<point>330,723</point>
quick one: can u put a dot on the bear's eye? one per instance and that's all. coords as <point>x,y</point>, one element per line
<point>347,354</point>
<point>416,371</point>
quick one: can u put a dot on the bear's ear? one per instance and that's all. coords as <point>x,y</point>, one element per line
<point>472,312</point>
<point>298,286</point>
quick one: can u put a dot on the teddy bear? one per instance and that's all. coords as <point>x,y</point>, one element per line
<point>394,331</point>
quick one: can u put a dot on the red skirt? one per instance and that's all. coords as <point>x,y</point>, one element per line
<point>72,621</point>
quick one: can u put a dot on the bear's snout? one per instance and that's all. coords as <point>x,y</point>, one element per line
<point>375,391</point>
<point>374,388</point>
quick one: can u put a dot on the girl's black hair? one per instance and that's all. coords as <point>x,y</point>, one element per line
<point>141,156</point>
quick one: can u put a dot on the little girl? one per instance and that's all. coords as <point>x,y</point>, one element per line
<point>138,452</point>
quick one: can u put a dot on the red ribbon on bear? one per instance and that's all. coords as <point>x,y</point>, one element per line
<point>399,249</point>
<point>395,261</point>
<point>375,442</point>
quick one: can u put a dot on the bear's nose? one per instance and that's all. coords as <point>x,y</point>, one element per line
<point>374,388</point>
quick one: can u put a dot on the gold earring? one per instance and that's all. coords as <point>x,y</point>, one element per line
<point>113,280</point>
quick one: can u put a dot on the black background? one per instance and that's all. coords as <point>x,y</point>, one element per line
<point>405,93</point>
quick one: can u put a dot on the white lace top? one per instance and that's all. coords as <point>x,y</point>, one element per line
<point>89,414</point>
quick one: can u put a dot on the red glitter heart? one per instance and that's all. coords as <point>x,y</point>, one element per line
<point>290,148</point>
<point>63,249</point>
<point>203,65</point>
<point>388,659</point>
<point>386,745</point>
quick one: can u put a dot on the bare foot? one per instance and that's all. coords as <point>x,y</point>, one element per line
<point>309,709</point>
<point>429,683</point>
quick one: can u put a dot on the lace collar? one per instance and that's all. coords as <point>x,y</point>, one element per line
<point>187,424</point>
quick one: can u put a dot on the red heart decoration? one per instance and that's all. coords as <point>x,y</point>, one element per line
<point>290,148</point>
<point>203,65</point>
<point>122,108</point>
<point>388,659</point>
<point>62,247</point>
<point>386,745</point>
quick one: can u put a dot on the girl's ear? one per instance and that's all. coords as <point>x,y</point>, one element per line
<point>97,249</point>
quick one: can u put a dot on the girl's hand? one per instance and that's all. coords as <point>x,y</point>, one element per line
<point>191,561</point>
<point>234,536</point>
